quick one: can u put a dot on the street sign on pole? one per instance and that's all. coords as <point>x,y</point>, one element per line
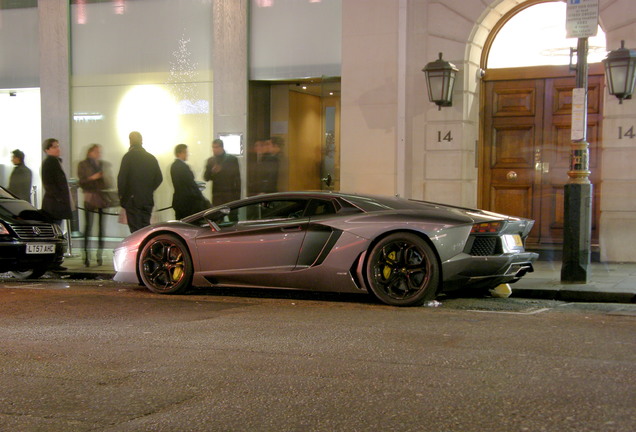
<point>579,112</point>
<point>581,18</point>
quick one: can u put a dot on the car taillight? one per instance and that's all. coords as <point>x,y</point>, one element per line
<point>486,228</point>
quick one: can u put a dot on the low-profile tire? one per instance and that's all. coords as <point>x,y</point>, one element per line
<point>165,265</point>
<point>33,273</point>
<point>402,270</point>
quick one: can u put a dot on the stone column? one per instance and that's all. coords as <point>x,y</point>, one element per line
<point>55,74</point>
<point>229,68</point>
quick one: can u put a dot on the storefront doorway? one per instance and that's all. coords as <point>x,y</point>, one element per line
<point>305,116</point>
<point>526,146</point>
<point>526,99</point>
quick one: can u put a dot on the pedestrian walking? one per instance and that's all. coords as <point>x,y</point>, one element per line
<point>139,176</point>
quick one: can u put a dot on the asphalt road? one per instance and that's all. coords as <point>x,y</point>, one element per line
<point>100,356</point>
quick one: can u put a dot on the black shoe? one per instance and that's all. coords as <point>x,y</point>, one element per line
<point>59,268</point>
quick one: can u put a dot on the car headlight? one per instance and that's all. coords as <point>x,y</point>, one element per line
<point>3,230</point>
<point>57,230</point>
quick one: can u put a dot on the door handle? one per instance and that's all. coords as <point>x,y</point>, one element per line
<point>292,229</point>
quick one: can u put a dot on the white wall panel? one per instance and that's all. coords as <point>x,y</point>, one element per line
<point>295,39</point>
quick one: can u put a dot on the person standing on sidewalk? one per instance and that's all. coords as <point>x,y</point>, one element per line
<point>187,198</point>
<point>92,182</point>
<point>57,196</point>
<point>139,176</point>
<point>21,177</point>
<point>223,170</point>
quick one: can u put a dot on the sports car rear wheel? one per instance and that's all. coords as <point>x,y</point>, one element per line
<point>165,265</point>
<point>402,270</point>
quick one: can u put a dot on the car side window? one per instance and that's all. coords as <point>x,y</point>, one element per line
<point>282,209</point>
<point>318,207</point>
<point>263,211</point>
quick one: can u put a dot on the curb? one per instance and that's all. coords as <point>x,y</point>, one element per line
<point>575,295</point>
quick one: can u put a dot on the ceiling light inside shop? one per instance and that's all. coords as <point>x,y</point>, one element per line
<point>152,111</point>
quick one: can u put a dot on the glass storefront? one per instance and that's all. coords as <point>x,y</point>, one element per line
<point>142,66</point>
<point>19,93</point>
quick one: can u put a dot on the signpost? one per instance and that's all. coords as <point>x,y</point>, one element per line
<point>581,23</point>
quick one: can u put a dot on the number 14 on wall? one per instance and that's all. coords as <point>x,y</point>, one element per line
<point>441,136</point>
<point>626,133</point>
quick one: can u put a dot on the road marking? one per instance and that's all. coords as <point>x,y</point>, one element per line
<point>532,312</point>
<point>38,286</point>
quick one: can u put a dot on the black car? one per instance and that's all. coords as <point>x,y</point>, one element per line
<point>30,242</point>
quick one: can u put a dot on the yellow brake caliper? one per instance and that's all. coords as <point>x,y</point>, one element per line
<point>176,273</point>
<point>386,272</point>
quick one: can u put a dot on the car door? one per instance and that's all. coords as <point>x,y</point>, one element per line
<point>260,236</point>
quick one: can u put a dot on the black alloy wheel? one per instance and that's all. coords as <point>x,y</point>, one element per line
<point>402,270</point>
<point>165,265</point>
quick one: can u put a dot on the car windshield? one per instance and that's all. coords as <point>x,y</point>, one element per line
<point>5,194</point>
<point>20,210</point>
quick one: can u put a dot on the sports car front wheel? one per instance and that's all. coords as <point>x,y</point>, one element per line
<point>165,265</point>
<point>402,270</point>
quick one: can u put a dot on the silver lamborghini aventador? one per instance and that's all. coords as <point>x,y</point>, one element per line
<point>404,252</point>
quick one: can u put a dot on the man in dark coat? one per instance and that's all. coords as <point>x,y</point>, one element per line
<point>223,170</point>
<point>270,165</point>
<point>57,197</point>
<point>139,176</point>
<point>187,198</point>
<point>21,177</point>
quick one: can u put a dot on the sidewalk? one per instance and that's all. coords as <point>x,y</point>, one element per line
<point>608,282</point>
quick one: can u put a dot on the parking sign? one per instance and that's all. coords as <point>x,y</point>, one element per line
<point>581,18</point>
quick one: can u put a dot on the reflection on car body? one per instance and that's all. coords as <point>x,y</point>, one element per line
<point>402,251</point>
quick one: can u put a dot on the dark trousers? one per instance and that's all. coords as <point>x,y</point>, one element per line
<point>88,219</point>
<point>138,217</point>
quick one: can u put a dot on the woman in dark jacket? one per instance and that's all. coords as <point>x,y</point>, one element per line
<point>91,180</point>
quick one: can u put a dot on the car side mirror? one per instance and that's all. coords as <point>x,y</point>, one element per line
<point>212,217</point>
<point>213,225</point>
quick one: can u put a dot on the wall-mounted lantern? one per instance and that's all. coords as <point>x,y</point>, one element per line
<point>620,71</point>
<point>440,78</point>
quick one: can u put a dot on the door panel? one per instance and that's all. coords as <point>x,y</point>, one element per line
<point>266,246</point>
<point>512,133</point>
<point>526,154</point>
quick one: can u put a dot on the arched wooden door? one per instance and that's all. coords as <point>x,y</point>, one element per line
<point>525,147</point>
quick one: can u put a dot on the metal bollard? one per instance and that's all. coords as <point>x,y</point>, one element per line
<point>34,196</point>
<point>69,251</point>
<point>73,185</point>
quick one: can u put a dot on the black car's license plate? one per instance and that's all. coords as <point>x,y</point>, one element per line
<point>40,248</point>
